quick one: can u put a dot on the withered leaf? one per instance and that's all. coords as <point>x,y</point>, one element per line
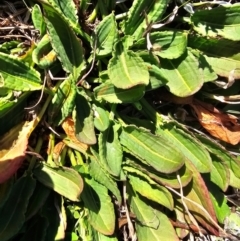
<point>221,125</point>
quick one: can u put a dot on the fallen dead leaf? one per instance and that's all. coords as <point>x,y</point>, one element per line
<point>223,126</point>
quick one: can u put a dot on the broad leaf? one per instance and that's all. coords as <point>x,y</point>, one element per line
<point>110,149</point>
<point>148,188</point>
<point>198,193</point>
<point>16,75</point>
<point>62,103</point>
<point>208,70</point>
<point>101,118</point>
<point>37,199</point>
<point>183,74</point>
<point>136,24</point>
<point>219,201</point>
<point>111,94</point>
<point>106,34</point>
<point>166,44</point>
<point>67,8</point>
<point>222,153</point>
<point>12,213</point>
<point>222,54</point>
<point>219,174</point>
<point>100,175</point>
<point>83,120</point>
<point>193,150</point>
<point>171,180</point>
<point>130,65</point>
<point>150,223</point>
<point>98,202</point>
<point>154,150</point>
<point>101,237</point>
<point>63,180</point>
<point>52,211</point>
<point>222,21</point>
<point>38,20</point>
<point>64,42</point>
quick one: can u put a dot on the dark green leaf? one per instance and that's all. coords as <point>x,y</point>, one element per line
<point>83,119</point>
<point>12,213</point>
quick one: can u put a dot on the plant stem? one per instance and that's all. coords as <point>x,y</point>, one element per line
<point>37,150</point>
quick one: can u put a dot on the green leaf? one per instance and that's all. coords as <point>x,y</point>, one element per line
<point>64,42</point>
<point>62,103</point>
<point>37,199</point>
<point>234,180</point>
<point>198,193</point>
<point>43,55</point>
<point>63,180</point>
<point>130,65</point>
<point>154,150</point>
<point>222,54</point>
<point>219,202</point>
<point>170,180</point>
<point>68,9</point>
<point>101,237</point>
<point>208,72</point>
<point>106,34</point>
<point>151,190</point>
<point>101,118</point>
<point>219,174</point>
<point>100,175</point>
<point>16,75</point>
<point>98,202</point>
<point>12,213</point>
<point>221,153</point>
<point>83,119</point>
<point>183,75</point>
<point>136,23</point>
<point>110,149</point>
<point>5,190</point>
<point>52,211</point>
<point>111,94</point>
<point>166,44</point>
<point>151,224</point>
<point>156,80</point>
<point>193,150</point>
<point>38,20</point>
<point>36,229</point>
<point>222,21</point>
<point>69,13</point>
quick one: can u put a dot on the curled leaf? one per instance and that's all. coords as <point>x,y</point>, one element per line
<point>68,126</point>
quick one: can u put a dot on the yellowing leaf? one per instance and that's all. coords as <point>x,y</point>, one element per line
<point>68,126</point>
<point>13,146</point>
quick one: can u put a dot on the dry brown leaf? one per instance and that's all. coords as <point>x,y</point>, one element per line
<point>223,126</point>
<point>13,146</point>
<point>57,150</point>
<point>68,127</point>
